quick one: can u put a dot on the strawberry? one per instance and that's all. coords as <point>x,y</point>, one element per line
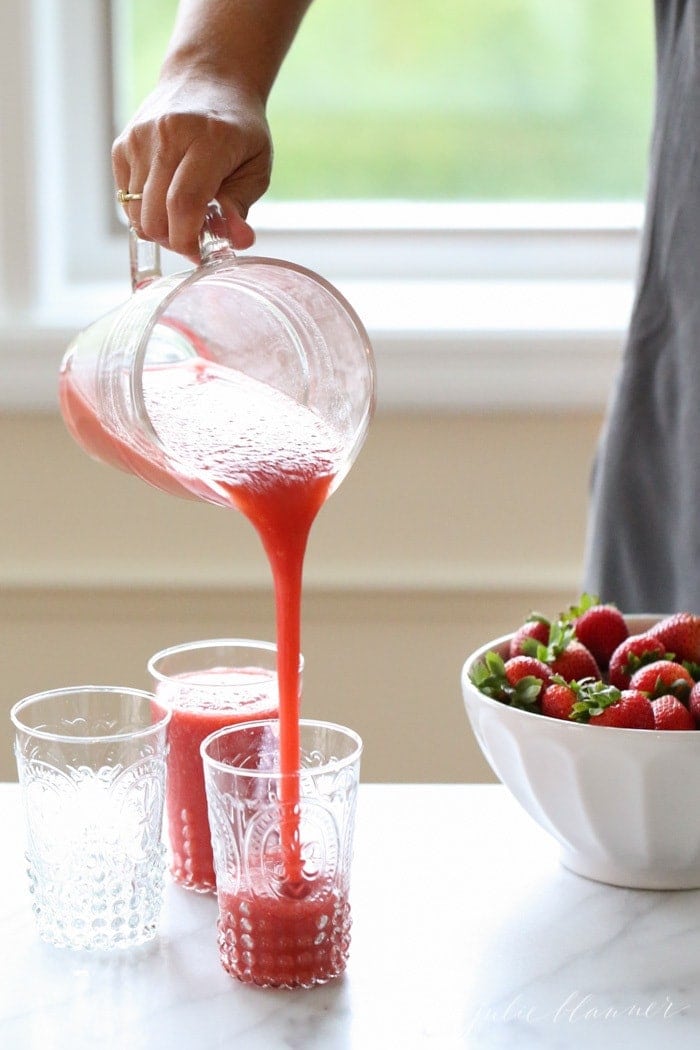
<point>605,705</point>
<point>601,628</point>
<point>661,678</point>
<point>630,655</point>
<point>536,627</point>
<point>513,682</point>
<point>679,634</point>
<point>565,655</point>
<point>632,711</point>
<point>575,661</point>
<point>558,699</point>
<point>694,703</point>
<point>519,667</point>
<point>670,713</point>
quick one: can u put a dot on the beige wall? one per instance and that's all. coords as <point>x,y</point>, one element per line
<point>448,529</point>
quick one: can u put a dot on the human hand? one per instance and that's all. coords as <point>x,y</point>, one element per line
<point>195,138</point>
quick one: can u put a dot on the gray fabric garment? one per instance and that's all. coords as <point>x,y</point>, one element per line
<point>643,548</point>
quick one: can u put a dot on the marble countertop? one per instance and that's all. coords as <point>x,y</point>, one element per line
<point>467,933</point>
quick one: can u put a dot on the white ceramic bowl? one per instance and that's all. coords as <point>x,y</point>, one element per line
<point>622,803</point>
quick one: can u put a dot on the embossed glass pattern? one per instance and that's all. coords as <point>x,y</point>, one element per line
<point>277,927</point>
<point>91,764</point>
<point>207,685</point>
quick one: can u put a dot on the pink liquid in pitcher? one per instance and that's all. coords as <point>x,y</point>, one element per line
<point>239,443</point>
<point>203,702</point>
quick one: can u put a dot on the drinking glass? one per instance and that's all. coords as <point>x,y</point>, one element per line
<point>283,851</point>
<point>91,764</point>
<point>206,685</point>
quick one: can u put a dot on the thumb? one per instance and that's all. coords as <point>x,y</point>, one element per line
<point>241,233</point>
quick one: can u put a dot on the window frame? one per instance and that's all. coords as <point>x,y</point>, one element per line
<point>470,306</point>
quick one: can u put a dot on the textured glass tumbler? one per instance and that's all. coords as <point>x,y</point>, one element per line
<point>207,685</point>
<point>91,764</point>
<point>283,868</point>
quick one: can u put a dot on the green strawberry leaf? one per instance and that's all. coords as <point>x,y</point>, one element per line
<point>633,661</point>
<point>531,647</point>
<point>678,688</point>
<point>593,698</point>
<point>489,677</point>
<point>560,634</point>
<point>585,602</point>
<point>526,693</point>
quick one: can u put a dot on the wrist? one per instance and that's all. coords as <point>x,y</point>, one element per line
<point>187,66</point>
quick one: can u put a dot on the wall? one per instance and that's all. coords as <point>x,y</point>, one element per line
<point>447,531</point>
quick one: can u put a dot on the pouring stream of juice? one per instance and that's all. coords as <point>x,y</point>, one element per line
<point>242,444</point>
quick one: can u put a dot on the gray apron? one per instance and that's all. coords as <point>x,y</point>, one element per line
<point>643,545</point>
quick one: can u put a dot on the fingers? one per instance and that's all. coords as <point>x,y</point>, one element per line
<point>180,159</point>
<point>195,182</point>
<point>131,178</point>
<point>240,233</point>
<point>151,218</point>
<point>154,213</point>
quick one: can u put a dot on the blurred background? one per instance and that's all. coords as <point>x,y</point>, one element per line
<point>459,100</point>
<point>471,176</point>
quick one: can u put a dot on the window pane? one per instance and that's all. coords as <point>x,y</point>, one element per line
<point>448,99</point>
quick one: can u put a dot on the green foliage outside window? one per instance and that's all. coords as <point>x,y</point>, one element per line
<point>450,99</point>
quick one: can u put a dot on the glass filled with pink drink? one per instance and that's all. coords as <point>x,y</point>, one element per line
<point>207,685</point>
<point>282,856</point>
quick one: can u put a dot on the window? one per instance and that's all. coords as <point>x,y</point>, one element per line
<point>460,100</point>
<point>496,291</point>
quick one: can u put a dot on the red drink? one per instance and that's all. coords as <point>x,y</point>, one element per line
<point>256,449</point>
<point>202,702</point>
<point>296,943</point>
<point>273,931</point>
<point>242,443</point>
<point>238,442</point>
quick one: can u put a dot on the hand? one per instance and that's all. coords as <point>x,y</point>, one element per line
<point>196,137</point>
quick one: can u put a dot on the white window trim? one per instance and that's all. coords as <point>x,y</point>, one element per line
<point>469,306</point>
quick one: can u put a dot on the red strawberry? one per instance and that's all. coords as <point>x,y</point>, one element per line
<point>670,713</point>
<point>575,661</point>
<point>679,634</point>
<point>632,711</point>
<point>605,705</point>
<point>601,705</point>
<point>536,627</point>
<point>565,655</point>
<point>510,685</point>
<point>661,678</point>
<point>694,703</point>
<point>601,628</point>
<point>558,700</point>
<point>630,655</point>
<point>519,667</point>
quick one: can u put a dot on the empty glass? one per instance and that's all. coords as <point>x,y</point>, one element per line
<point>91,764</point>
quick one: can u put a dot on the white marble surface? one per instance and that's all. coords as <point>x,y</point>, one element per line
<point>467,933</point>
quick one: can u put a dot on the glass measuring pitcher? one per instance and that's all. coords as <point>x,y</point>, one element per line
<point>200,377</point>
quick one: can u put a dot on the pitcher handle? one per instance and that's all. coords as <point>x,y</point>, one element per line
<point>144,260</point>
<point>214,239</point>
<point>144,256</point>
